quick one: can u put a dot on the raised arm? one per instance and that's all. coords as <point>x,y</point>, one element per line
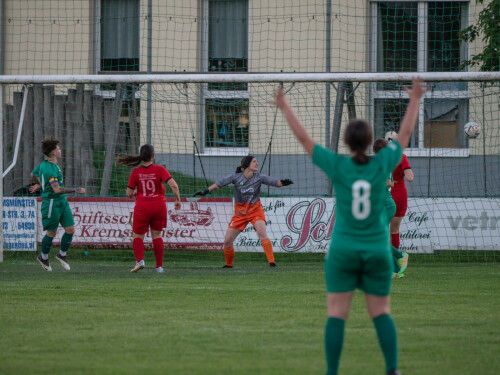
<point>409,120</point>
<point>175,189</point>
<point>293,121</point>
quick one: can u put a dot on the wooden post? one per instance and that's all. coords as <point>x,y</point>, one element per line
<point>134,131</point>
<point>78,135</point>
<point>98,138</point>
<point>60,127</point>
<point>48,112</point>
<point>68,151</point>
<point>8,146</point>
<point>31,153</point>
<point>59,117</point>
<point>351,104</point>
<point>337,117</point>
<point>111,126</point>
<point>89,173</point>
<point>37,113</point>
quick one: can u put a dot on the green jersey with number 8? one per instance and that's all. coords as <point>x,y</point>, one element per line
<point>360,192</point>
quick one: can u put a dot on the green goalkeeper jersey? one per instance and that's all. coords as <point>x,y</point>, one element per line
<point>48,173</point>
<point>360,192</point>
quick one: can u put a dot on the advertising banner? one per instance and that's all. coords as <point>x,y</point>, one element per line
<point>200,225</point>
<point>19,224</point>
<point>294,224</point>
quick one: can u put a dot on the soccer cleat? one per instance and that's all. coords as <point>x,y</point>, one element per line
<point>272,264</point>
<point>394,372</point>
<point>403,262</point>
<point>138,266</point>
<point>226,266</point>
<point>45,263</point>
<point>63,261</point>
<point>399,275</point>
<point>159,269</point>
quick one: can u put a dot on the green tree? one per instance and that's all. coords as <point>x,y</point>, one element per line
<point>488,28</point>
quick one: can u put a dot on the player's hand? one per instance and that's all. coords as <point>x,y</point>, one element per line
<point>177,205</point>
<point>279,97</point>
<point>34,188</point>
<point>286,182</point>
<point>80,190</point>
<point>201,193</point>
<point>418,89</point>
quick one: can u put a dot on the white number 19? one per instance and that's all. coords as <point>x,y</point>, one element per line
<point>361,205</point>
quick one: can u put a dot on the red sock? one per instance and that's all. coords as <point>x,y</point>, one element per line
<point>268,249</point>
<point>158,249</point>
<point>395,240</point>
<point>138,246</point>
<point>229,255</point>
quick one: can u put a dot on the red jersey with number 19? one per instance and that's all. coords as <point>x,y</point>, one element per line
<point>149,183</point>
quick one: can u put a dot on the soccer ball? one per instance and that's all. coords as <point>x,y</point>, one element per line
<point>390,136</point>
<point>472,129</point>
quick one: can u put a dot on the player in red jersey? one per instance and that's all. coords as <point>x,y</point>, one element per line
<point>150,211</point>
<point>400,195</point>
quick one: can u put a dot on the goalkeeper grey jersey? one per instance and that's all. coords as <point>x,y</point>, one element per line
<point>247,190</point>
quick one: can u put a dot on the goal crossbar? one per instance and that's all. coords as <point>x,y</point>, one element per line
<point>248,77</point>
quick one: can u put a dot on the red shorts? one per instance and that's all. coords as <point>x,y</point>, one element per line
<point>400,197</point>
<point>149,214</point>
<point>240,222</point>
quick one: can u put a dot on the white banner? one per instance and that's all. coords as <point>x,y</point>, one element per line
<point>293,224</point>
<point>19,223</point>
<point>108,223</point>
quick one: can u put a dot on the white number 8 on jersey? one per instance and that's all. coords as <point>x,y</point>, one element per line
<point>361,205</point>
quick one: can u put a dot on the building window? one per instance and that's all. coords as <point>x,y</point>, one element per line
<point>119,23</point>
<point>413,36</point>
<point>226,120</point>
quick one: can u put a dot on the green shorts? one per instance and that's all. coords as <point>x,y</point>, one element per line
<point>368,267</point>
<point>55,211</point>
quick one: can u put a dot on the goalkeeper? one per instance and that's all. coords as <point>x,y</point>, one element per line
<point>248,208</point>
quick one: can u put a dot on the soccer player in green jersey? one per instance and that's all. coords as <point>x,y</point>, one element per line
<point>359,254</point>
<point>55,207</point>
<point>400,259</point>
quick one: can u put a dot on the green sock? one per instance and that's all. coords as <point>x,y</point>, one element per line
<point>388,339</point>
<point>46,244</point>
<point>334,339</point>
<point>398,254</point>
<point>66,241</point>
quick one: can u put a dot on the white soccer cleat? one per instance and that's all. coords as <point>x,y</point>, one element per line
<point>45,263</point>
<point>160,270</point>
<point>138,266</point>
<point>63,261</point>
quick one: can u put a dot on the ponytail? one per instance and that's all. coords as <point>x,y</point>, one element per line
<point>146,153</point>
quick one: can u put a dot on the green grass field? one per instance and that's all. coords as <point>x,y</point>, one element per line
<point>100,319</point>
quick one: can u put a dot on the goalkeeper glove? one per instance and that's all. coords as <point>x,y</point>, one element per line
<point>286,182</point>
<point>201,192</point>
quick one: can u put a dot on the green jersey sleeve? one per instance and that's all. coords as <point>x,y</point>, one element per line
<point>327,160</point>
<point>390,156</point>
<point>36,171</point>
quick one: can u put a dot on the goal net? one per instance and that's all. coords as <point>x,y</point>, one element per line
<point>201,125</point>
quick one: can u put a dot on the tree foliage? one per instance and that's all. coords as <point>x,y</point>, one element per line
<point>488,28</point>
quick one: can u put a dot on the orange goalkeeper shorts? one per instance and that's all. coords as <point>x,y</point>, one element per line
<point>240,222</point>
